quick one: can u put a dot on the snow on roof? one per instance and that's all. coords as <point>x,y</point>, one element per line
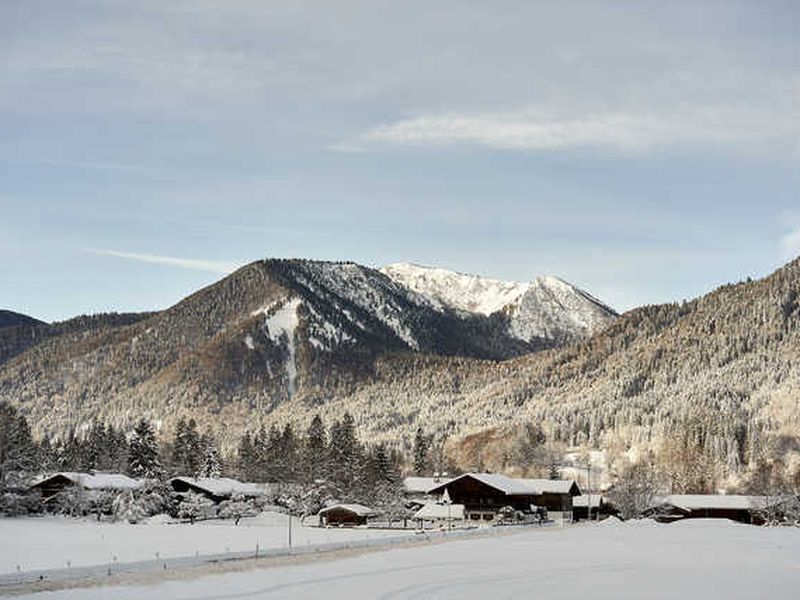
<point>692,502</point>
<point>96,481</point>
<point>433,510</point>
<point>224,486</point>
<point>583,501</point>
<point>511,486</point>
<point>357,509</point>
<point>421,485</point>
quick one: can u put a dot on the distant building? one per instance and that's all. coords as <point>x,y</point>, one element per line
<point>484,495</point>
<point>345,515</point>
<point>217,489</point>
<point>93,483</point>
<point>600,507</point>
<point>440,514</point>
<point>742,509</point>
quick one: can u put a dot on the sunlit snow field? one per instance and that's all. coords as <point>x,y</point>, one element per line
<point>692,559</point>
<point>52,542</point>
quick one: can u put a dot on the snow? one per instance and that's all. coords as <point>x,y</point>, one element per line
<point>517,487</point>
<point>436,511</point>
<point>225,486</point>
<point>421,485</point>
<point>97,481</point>
<point>460,291</point>
<point>715,501</point>
<point>545,308</point>
<point>49,542</point>
<point>280,325</point>
<point>356,509</point>
<point>698,559</point>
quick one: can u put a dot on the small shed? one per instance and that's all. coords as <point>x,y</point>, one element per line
<point>440,513</point>
<point>51,485</point>
<point>345,515</point>
<point>600,507</point>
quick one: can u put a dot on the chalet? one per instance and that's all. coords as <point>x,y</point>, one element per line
<point>217,489</point>
<point>344,515</point>
<point>484,495</point>
<point>93,483</point>
<point>742,509</point>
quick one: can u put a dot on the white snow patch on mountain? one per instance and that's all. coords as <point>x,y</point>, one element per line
<point>449,289</point>
<point>282,324</point>
<point>546,308</point>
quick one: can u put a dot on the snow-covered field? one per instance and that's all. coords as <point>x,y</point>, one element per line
<point>49,542</point>
<point>693,559</point>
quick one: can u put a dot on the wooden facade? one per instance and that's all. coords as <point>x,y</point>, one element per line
<point>483,496</point>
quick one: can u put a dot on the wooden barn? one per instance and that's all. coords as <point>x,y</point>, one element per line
<point>485,494</point>
<point>345,515</point>
<point>91,483</point>
<point>742,509</point>
<point>217,489</point>
<point>600,507</point>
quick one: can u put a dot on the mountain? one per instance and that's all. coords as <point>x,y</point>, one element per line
<point>543,310</point>
<point>715,379</point>
<point>9,318</point>
<point>273,332</point>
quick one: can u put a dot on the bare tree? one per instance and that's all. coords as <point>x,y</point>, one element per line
<point>633,492</point>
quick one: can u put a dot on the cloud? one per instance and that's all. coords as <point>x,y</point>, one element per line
<point>735,128</point>
<point>213,266</point>
<point>790,244</point>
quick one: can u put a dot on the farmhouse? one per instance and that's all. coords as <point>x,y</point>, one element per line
<point>51,485</point>
<point>345,515</point>
<point>743,509</point>
<point>485,494</point>
<point>415,490</point>
<point>217,489</point>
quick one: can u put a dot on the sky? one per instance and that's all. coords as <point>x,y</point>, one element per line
<point>645,151</point>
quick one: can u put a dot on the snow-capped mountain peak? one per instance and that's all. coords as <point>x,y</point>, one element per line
<point>459,291</point>
<point>547,308</point>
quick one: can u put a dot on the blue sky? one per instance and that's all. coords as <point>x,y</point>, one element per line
<point>647,153</point>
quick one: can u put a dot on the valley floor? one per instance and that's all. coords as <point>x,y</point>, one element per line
<point>611,560</point>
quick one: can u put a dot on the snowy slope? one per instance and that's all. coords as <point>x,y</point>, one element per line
<point>547,308</point>
<point>459,291</point>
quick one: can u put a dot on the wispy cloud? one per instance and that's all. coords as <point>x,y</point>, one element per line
<point>620,130</point>
<point>790,244</point>
<point>213,266</point>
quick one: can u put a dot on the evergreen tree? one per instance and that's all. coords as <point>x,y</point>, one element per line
<point>246,463</point>
<point>211,465</point>
<point>188,453</point>
<point>144,460</point>
<point>421,446</point>
<point>287,450</point>
<point>314,450</point>
<point>95,453</point>
<point>17,450</point>
<point>345,456</point>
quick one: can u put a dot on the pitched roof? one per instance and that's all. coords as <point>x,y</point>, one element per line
<point>224,486</point>
<point>421,485</point>
<point>511,486</point>
<point>583,501</point>
<point>692,502</point>
<point>95,481</point>
<point>356,509</point>
<point>433,510</point>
